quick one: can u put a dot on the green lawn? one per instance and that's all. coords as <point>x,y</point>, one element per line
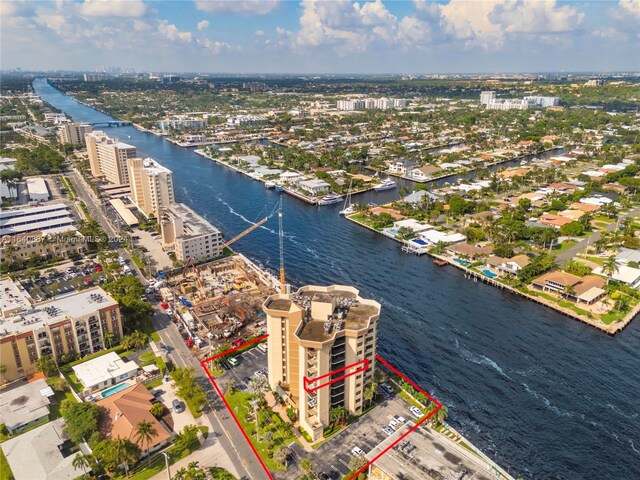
<point>221,474</point>
<point>5,470</point>
<point>239,402</point>
<point>158,463</point>
<point>564,246</point>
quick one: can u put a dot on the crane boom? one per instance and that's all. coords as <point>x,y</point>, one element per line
<point>283,285</point>
<point>245,232</point>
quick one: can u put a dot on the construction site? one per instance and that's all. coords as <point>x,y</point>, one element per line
<point>220,299</point>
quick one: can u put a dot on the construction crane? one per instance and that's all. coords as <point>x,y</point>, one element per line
<point>256,225</point>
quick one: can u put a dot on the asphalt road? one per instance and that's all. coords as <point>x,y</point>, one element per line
<point>232,440</point>
<point>568,254</point>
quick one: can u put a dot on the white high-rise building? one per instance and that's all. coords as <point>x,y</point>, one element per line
<point>544,102</point>
<point>188,234</point>
<point>151,185</point>
<point>487,97</point>
<point>108,157</point>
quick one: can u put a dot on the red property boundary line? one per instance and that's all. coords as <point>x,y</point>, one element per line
<point>378,357</point>
<point>308,381</point>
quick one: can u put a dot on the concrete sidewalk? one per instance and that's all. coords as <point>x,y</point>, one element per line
<point>210,454</point>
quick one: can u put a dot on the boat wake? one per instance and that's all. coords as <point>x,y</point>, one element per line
<point>547,402</point>
<point>482,360</point>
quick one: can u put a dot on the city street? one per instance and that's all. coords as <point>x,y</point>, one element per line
<point>233,441</point>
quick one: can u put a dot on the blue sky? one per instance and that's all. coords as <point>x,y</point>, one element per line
<point>323,36</point>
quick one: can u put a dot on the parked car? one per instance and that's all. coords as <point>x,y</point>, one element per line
<point>387,431</point>
<point>233,361</point>
<point>177,406</point>
<point>357,451</point>
<point>399,418</point>
<point>387,388</point>
<point>416,412</point>
<point>263,347</point>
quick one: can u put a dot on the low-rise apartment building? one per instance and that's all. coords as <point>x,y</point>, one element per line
<point>77,323</point>
<point>188,235</point>
<point>321,341</point>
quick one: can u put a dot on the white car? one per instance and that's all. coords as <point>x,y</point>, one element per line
<point>416,412</point>
<point>387,431</point>
<point>399,418</point>
<point>394,424</point>
<point>259,373</point>
<point>233,361</point>
<point>356,451</point>
<point>263,347</point>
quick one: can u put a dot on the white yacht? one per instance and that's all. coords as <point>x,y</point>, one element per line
<point>387,184</point>
<point>330,199</point>
<point>269,184</point>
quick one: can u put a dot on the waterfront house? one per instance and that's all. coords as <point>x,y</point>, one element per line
<point>290,177</point>
<point>495,262</point>
<point>469,251</point>
<point>624,274</point>
<point>513,265</point>
<point>424,173</point>
<point>434,237</point>
<point>587,289</point>
<point>125,410</point>
<point>314,186</point>
<point>413,225</point>
<point>394,213</point>
<point>25,404</point>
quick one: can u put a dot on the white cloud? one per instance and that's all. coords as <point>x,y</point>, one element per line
<point>259,33</point>
<point>352,27</point>
<point>171,32</point>
<point>485,24</point>
<point>216,47</point>
<point>203,25</point>
<point>112,8</point>
<point>631,6</point>
<point>258,7</point>
<point>16,8</point>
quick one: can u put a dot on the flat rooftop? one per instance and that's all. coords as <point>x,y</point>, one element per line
<point>153,167</point>
<point>24,402</point>
<point>72,305</point>
<point>194,225</point>
<point>12,297</point>
<point>350,311</point>
<point>103,368</point>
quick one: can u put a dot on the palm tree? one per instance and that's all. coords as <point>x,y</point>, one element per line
<point>306,466</point>
<point>81,461</point>
<point>370,392</point>
<point>280,455</point>
<point>126,452</point>
<point>3,370</point>
<point>610,267</point>
<point>145,432</point>
<point>569,290</point>
<point>441,415</point>
<point>338,414</point>
<point>108,339</point>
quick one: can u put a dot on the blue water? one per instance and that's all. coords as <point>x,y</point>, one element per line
<point>115,389</point>
<point>545,396</point>
<point>465,263</point>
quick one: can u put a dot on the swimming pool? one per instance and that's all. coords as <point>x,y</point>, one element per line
<point>489,273</point>
<point>465,263</point>
<point>420,242</point>
<point>114,389</point>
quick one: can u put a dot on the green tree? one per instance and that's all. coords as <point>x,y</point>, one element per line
<point>157,409</point>
<point>145,433</point>
<point>47,365</point>
<point>81,462</point>
<point>306,466</point>
<point>280,455</point>
<point>338,415</point>
<point>442,414</point>
<point>3,370</point>
<point>610,267</point>
<point>573,229</point>
<point>458,206</point>
<point>370,392</point>
<point>81,420</point>
<point>357,462</point>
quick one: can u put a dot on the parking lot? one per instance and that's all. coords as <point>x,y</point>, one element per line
<point>332,458</point>
<point>249,362</point>
<point>67,278</point>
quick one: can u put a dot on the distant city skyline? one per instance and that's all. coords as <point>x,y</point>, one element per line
<point>323,37</point>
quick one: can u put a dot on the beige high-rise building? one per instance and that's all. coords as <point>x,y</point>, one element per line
<point>314,334</point>
<point>188,235</point>
<point>108,157</point>
<point>151,185</point>
<point>74,133</point>
<point>81,323</point>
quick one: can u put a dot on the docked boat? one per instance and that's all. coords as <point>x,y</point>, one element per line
<point>330,199</point>
<point>387,184</point>
<point>269,184</point>
<point>279,188</point>
<point>348,209</point>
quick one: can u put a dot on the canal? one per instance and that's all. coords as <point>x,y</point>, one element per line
<point>545,396</point>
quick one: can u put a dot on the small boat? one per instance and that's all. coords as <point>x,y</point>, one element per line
<point>269,184</point>
<point>330,199</point>
<point>387,184</point>
<point>348,209</point>
<point>439,262</point>
<point>279,188</point>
